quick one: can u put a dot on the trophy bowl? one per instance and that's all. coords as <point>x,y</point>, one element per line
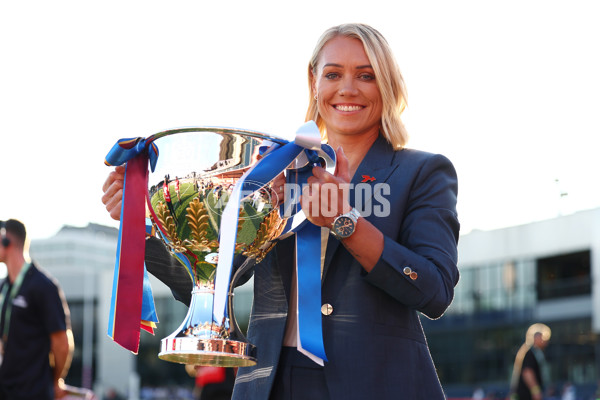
<point>187,193</point>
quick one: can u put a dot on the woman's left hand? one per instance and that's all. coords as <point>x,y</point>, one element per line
<point>326,196</point>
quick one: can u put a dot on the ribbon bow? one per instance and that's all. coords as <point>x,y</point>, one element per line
<point>132,305</point>
<point>127,149</point>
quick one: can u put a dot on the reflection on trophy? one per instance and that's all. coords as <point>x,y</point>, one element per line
<point>188,192</point>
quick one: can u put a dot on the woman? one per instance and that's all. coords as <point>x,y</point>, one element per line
<point>398,255</point>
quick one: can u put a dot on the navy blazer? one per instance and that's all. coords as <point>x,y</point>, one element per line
<point>373,338</point>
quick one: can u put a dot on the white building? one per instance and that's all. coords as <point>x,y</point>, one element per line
<point>546,271</point>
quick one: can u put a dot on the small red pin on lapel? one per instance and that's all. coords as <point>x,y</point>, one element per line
<point>367,178</point>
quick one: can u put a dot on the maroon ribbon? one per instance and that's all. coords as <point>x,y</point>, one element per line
<point>126,309</point>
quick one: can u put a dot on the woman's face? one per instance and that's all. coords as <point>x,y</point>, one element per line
<point>347,94</point>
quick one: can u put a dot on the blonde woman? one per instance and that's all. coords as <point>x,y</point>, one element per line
<point>396,259</point>
<point>391,252</point>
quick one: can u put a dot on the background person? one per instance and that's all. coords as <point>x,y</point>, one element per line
<point>212,383</point>
<point>167,196</point>
<point>530,365</point>
<point>378,275</point>
<point>177,189</point>
<point>34,322</point>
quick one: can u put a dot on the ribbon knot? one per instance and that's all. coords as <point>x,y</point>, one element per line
<point>313,156</point>
<point>127,149</point>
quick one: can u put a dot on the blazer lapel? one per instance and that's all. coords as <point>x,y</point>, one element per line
<point>376,167</point>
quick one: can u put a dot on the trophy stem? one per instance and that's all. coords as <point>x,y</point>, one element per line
<point>201,341</point>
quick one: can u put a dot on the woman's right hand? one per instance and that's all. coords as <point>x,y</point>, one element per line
<point>113,192</point>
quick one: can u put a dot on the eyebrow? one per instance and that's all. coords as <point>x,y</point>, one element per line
<point>340,66</point>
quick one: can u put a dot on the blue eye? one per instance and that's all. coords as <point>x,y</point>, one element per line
<point>332,75</point>
<point>367,77</point>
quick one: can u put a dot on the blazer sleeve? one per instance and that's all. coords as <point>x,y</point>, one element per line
<point>168,270</point>
<point>419,266</point>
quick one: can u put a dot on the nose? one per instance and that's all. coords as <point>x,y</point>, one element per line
<point>347,87</point>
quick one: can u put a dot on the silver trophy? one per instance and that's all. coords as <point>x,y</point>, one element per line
<point>195,174</point>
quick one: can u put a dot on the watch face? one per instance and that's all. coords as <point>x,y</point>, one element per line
<point>343,226</point>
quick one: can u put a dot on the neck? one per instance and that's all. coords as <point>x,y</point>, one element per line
<point>14,265</point>
<point>355,147</point>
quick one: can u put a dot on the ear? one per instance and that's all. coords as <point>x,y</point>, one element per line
<point>313,83</point>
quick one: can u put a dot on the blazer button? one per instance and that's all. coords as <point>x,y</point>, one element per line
<point>412,274</point>
<point>326,309</point>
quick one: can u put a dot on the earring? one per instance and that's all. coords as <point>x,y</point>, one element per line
<point>315,96</point>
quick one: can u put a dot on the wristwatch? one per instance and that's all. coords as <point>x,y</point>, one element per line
<point>344,225</point>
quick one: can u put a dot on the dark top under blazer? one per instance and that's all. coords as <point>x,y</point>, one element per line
<point>373,338</point>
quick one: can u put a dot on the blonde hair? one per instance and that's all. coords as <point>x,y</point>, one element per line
<point>387,76</point>
<point>535,329</point>
<point>538,328</point>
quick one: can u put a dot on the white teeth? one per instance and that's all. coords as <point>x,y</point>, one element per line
<point>348,108</point>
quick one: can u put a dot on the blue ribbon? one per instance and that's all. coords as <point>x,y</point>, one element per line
<point>148,308</point>
<point>308,262</point>
<point>276,160</point>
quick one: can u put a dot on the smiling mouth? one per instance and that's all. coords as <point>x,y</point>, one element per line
<point>348,108</point>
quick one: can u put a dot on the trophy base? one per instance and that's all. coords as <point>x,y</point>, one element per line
<point>207,352</point>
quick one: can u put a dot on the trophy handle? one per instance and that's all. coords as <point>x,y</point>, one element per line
<point>234,329</point>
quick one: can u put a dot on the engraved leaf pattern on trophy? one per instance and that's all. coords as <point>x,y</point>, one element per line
<point>198,221</point>
<point>167,221</point>
<point>269,229</point>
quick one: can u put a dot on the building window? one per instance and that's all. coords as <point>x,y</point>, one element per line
<point>565,275</point>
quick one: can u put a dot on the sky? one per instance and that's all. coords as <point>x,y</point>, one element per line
<point>508,90</point>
